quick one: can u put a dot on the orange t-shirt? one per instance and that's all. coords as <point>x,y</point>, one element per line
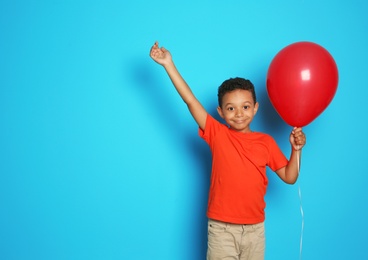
<point>238,179</point>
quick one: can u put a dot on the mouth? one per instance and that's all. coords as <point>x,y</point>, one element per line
<point>239,121</point>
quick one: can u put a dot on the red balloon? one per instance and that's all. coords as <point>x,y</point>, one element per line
<point>301,82</point>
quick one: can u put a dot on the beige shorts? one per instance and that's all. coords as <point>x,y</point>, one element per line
<point>232,241</point>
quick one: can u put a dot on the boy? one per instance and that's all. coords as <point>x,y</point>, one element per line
<point>239,158</point>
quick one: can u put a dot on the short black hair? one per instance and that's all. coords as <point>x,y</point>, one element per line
<point>233,84</point>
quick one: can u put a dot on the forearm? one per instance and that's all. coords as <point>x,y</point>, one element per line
<point>290,172</point>
<point>293,167</point>
<point>179,83</point>
<point>195,107</point>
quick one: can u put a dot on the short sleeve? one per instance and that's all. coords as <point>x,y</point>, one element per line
<point>277,159</point>
<point>212,127</point>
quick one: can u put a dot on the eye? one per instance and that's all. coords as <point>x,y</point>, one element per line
<point>245,107</point>
<point>230,108</point>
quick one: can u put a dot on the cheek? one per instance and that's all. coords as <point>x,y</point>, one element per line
<point>228,114</point>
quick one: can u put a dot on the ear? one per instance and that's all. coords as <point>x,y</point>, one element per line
<point>256,106</point>
<point>219,110</point>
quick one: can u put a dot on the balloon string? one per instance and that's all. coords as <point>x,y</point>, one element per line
<point>301,210</point>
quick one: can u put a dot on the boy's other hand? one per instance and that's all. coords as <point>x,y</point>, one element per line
<point>297,138</point>
<point>160,55</point>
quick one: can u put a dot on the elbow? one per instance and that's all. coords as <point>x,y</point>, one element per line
<point>287,175</point>
<point>291,181</point>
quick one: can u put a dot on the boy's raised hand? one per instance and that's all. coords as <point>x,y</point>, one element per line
<point>160,55</point>
<point>297,138</point>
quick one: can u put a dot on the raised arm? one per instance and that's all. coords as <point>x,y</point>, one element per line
<point>163,57</point>
<point>290,172</point>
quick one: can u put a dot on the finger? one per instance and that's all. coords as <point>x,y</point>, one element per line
<point>155,46</point>
<point>297,129</point>
<point>298,135</point>
<point>153,52</point>
<point>301,141</point>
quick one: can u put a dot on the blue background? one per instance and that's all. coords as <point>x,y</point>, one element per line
<point>99,158</point>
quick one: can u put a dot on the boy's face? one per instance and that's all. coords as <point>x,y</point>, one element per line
<point>238,109</point>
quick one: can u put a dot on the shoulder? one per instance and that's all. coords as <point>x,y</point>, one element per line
<point>212,128</point>
<point>211,121</point>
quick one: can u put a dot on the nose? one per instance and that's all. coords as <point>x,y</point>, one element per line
<point>239,113</point>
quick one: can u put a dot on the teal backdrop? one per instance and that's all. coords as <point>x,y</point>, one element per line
<point>100,159</point>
